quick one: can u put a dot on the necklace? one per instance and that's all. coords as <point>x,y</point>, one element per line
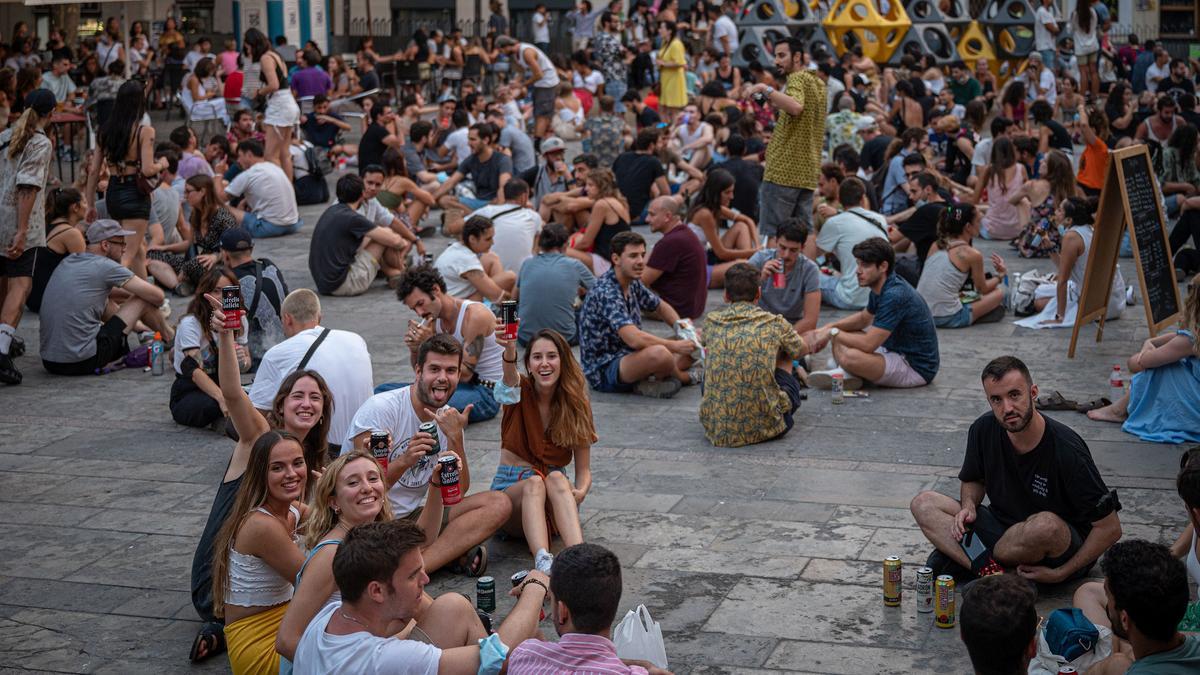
<point>354,620</point>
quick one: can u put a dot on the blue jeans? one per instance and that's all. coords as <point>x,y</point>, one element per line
<point>616,89</point>
<point>472,203</point>
<point>831,295</point>
<point>466,394</point>
<point>260,228</point>
<point>1048,58</point>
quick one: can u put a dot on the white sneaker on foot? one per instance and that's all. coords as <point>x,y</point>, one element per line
<point>823,379</point>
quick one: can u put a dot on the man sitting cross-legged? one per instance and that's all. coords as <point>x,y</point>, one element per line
<point>1049,515</point>
<point>347,250</point>
<point>617,355</point>
<point>381,578</point>
<point>413,459</point>
<point>891,343</point>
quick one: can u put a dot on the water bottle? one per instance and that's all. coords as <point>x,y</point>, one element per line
<point>1116,384</point>
<point>156,355</point>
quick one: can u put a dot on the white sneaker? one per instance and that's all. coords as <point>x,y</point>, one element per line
<point>165,308</point>
<point>655,388</point>
<point>823,379</point>
<point>696,375</point>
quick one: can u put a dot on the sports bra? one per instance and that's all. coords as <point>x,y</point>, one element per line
<point>389,200</point>
<point>252,582</point>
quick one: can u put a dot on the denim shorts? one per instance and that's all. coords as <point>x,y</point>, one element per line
<point>610,378</point>
<point>508,475</point>
<point>124,201</point>
<point>960,319</point>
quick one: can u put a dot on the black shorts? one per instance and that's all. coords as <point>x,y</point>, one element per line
<point>22,266</point>
<point>789,385</point>
<point>124,201</point>
<point>990,529</point>
<point>111,344</point>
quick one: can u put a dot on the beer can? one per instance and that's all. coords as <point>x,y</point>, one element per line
<point>485,594</point>
<point>448,476</point>
<point>943,601</point>
<point>381,445</point>
<point>508,316</point>
<point>837,394</point>
<point>893,576</point>
<point>924,589</point>
<point>231,306</point>
<point>1067,670</point>
<point>431,428</point>
<point>516,581</point>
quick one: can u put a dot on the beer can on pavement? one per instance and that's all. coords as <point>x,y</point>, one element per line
<point>381,445</point>
<point>943,601</point>
<point>925,589</point>
<point>837,394</point>
<point>485,594</point>
<point>431,428</point>
<point>893,577</point>
<point>1067,670</point>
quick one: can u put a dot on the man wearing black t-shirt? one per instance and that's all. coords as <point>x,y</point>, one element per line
<point>919,226</point>
<point>487,168</point>
<point>347,251</point>
<point>637,171</point>
<point>377,138</point>
<point>1049,516</point>
<point>647,117</point>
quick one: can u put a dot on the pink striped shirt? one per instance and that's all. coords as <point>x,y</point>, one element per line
<point>574,653</point>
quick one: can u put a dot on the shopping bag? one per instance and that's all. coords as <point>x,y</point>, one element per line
<point>640,637</point>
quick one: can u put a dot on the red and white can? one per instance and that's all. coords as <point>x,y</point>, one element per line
<point>231,306</point>
<point>448,476</point>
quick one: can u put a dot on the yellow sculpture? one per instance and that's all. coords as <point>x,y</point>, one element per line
<point>858,22</point>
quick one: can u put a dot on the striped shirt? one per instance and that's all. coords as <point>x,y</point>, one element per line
<point>576,653</point>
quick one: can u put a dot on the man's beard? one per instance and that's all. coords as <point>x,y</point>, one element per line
<point>425,394</point>
<point>1021,425</point>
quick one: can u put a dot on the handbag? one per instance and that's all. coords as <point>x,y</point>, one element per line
<point>1070,634</point>
<point>638,636</point>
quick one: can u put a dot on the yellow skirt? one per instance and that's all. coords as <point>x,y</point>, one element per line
<point>251,642</point>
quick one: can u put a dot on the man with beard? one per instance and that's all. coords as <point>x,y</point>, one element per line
<point>413,458</point>
<point>469,323</point>
<point>1050,515</point>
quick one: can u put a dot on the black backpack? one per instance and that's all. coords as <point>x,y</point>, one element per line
<point>311,188</point>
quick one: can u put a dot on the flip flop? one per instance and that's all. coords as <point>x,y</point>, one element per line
<point>212,638</point>
<point>1093,404</point>
<point>1055,401</point>
<point>477,560</point>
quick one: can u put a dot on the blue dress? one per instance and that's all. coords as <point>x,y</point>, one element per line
<point>1164,402</point>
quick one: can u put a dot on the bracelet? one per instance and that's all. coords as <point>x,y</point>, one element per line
<point>506,360</point>
<point>535,581</point>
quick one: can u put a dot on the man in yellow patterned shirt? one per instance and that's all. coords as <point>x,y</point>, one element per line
<point>750,393</point>
<point>794,153</point>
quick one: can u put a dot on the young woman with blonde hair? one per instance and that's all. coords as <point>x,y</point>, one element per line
<point>609,216</point>
<point>547,424</point>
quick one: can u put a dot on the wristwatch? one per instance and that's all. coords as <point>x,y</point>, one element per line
<point>834,332</point>
<point>770,90</point>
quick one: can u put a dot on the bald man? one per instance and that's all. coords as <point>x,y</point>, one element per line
<point>677,269</point>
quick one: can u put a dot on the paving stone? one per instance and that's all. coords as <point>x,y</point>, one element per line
<point>152,561</point>
<point>783,538</point>
<point>866,488</point>
<point>722,562</point>
<point>822,657</point>
<point>55,552</point>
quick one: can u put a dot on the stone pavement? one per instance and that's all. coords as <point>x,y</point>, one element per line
<point>755,560</point>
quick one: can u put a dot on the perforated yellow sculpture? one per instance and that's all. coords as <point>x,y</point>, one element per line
<point>858,22</point>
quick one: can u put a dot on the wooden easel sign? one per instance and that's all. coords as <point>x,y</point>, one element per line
<point>1129,201</point>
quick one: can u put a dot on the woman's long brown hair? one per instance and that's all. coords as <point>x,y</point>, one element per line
<point>570,425</point>
<point>314,443</point>
<point>208,205</point>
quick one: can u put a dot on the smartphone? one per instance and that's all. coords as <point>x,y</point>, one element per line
<point>973,546</point>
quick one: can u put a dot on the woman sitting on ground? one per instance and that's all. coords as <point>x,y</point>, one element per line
<point>303,408</point>
<point>1163,403</point>
<point>196,399</point>
<point>1002,178</point>
<point>1012,103</point>
<point>710,212</point>
<point>951,262</point>
<point>608,217</point>
<point>397,185</point>
<point>547,424</point>
<point>65,210</point>
<point>210,219</point>
<point>569,115</point>
<point>1040,197</point>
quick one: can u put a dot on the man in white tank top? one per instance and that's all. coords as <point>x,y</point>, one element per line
<point>470,323</point>
<point>540,76</point>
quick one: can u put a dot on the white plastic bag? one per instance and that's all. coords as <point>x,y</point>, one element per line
<point>640,637</point>
<point>1048,663</point>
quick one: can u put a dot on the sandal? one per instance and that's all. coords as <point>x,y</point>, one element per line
<point>211,638</point>
<point>1055,401</point>
<point>473,564</point>
<point>1093,404</point>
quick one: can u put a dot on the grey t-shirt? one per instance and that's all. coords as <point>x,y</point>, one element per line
<point>788,302</point>
<point>521,146</point>
<point>486,175</point>
<point>549,284</point>
<point>73,306</point>
<point>412,160</point>
<point>164,209</point>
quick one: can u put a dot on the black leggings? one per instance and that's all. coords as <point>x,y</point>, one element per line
<point>1188,227</point>
<point>190,406</point>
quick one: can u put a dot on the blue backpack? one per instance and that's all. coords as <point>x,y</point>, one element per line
<point>1070,634</point>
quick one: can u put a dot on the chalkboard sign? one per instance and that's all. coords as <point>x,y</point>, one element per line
<point>1129,202</point>
<point>1154,256</point>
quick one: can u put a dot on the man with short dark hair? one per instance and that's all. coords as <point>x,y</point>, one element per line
<point>540,75</point>
<point>378,137</point>
<point>1146,597</point>
<point>548,287</point>
<point>965,87</point>
<point>263,289</point>
<point>647,117</point>
<point>516,224</point>
<point>750,393</point>
<point>514,141</point>
<point>585,593</point>
<point>998,623</point>
<point>380,571</point>
<point>1049,514</point>
<point>617,355</point>
<point>747,176</point>
<point>892,342</point>
<point>322,127</point>
<point>309,79</point>
<point>488,169</point>
<point>839,235</point>
<point>421,136</point>
<point>798,300</point>
<point>269,207</point>
<point>920,227</point>
<point>347,250</point>
<point>640,176</point>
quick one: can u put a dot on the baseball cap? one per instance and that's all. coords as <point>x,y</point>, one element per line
<point>236,239</point>
<point>552,144</point>
<point>862,79</point>
<point>866,124</point>
<point>105,229</point>
<point>41,100</point>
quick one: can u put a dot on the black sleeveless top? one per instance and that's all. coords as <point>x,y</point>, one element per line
<point>279,72</point>
<point>47,261</point>
<point>603,244</point>
<point>1060,138</point>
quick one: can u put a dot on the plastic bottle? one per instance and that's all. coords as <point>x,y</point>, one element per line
<point>1116,384</point>
<point>156,355</point>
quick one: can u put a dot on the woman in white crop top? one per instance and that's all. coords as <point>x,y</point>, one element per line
<point>257,554</point>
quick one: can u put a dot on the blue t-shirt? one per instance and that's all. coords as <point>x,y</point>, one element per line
<point>899,309</point>
<point>1183,660</point>
<point>549,284</point>
<point>606,310</point>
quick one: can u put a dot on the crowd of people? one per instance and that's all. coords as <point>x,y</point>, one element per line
<point>836,202</point>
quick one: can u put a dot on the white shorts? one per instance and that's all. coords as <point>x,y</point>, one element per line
<point>897,373</point>
<point>282,110</point>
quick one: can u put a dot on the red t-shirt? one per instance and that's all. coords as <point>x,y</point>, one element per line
<point>233,86</point>
<point>681,258</point>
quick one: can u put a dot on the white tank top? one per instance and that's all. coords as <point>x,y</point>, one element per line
<point>254,583</point>
<point>490,365</point>
<point>1116,295</point>
<point>549,74</point>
